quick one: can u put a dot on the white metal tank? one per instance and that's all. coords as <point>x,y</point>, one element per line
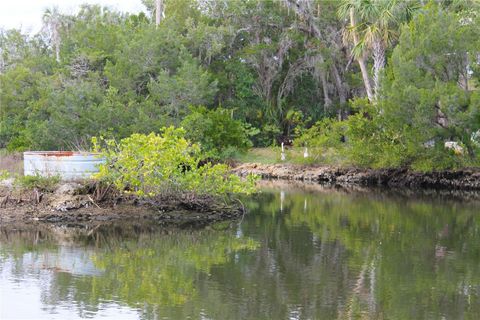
<point>69,165</point>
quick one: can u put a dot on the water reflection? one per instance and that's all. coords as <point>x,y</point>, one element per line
<point>407,257</point>
<point>300,254</point>
<point>141,267</point>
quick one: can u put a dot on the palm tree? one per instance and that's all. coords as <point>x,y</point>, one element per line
<point>348,10</point>
<point>374,26</point>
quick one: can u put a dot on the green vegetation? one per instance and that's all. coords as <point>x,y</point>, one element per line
<point>368,83</point>
<point>219,135</point>
<point>4,174</point>
<point>165,165</point>
<point>37,182</point>
<point>426,99</point>
<point>168,266</point>
<point>151,269</point>
<point>390,241</point>
<point>344,254</point>
<point>260,155</point>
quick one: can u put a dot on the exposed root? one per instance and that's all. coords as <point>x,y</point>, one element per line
<point>74,203</point>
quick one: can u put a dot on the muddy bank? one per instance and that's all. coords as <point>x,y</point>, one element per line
<point>74,205</point>
<point>468,179</point>
<point>124,213</point>
<point>403,194</point>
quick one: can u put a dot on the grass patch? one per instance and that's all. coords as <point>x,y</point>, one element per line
<point>11,162</point>
<point>38,182</point>
<point>260,155</point>
<point>271,155</point>
<point>294,155</point>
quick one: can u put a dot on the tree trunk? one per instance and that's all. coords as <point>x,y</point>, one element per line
<point>342,95</point>
<point>378,64</point>
<point>361,60</point>
<point>463,76</point>
<point>322,75</point>
<point>366,78</point>
<point>158,12</point>
<point>56,41</point>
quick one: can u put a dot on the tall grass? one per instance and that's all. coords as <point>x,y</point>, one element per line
<point>11,162</point>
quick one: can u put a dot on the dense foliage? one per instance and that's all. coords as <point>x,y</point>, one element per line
<point>165,165</point>
<point>426,115</point>
<point>401,77</point>
<point>217,133</point>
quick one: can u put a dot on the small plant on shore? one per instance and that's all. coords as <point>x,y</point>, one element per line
<point>165,165</point>
<point>37,182</point>
<point>4,175</point>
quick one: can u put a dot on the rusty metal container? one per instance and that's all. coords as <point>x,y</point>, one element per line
<point>69,165</point>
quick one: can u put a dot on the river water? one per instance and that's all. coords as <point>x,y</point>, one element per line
<point>301,253</point>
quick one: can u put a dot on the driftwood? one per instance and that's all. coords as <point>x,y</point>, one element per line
<point>37,196</point>
<point>4,201</point>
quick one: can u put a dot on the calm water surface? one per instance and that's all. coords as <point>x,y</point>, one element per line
<point>301,253</point>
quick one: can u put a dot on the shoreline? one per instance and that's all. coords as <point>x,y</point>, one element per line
<point>465,179</point>
<point>68,205</point>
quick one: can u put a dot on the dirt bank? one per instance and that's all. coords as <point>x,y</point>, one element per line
<point>468,179</point>
<point>73,204</point>
<point>402,193</point>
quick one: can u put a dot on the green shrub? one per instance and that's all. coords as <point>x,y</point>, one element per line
<point>267,137</point>
<point>218,135</point>
<point>38,182</point>
<point>324,142</point>
<point>165,165</point>
<point>374,142</point>
<point>4,174</point>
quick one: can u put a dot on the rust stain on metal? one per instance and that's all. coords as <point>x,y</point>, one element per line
<point>59,154</point>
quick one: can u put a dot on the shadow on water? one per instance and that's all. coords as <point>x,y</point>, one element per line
<point>303,252</point>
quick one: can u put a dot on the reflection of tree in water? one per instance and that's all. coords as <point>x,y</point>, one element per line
<point>161,270</point>
<point>295,274</point>
<point>408,258</point>
<point>146,270</point>
<point>327,255</point>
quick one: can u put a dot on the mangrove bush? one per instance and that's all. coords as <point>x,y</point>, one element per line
<point>165,165</point>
